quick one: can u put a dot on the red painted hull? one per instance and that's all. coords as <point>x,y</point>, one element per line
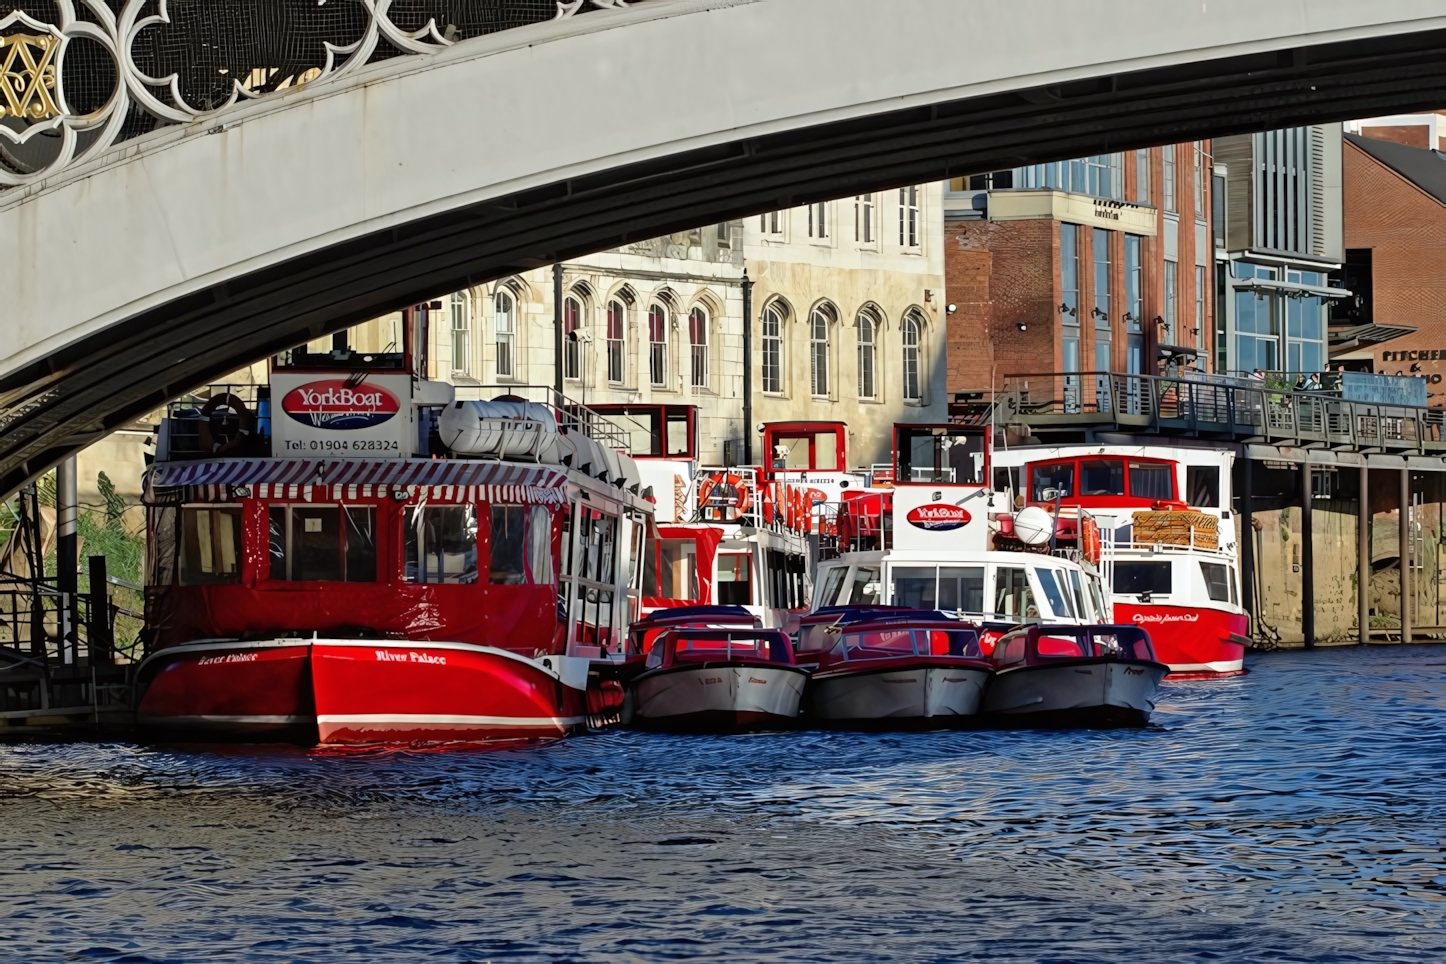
<point>349,692</point>
<point>229,689</point>
<point>1196,643</point>
<point>387,692</point>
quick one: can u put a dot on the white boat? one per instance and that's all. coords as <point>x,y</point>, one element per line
<point>1075,676</point>
<point>719,679</point>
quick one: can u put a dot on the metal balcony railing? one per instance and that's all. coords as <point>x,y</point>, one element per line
<point>1212,406</point>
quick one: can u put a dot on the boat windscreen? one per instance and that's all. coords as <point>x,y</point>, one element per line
<point>891,643</point>
<point>1057,603</point>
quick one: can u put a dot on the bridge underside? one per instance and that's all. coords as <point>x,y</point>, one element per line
<point>77,395</point>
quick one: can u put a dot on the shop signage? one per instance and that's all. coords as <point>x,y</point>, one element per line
<point>939,518</point>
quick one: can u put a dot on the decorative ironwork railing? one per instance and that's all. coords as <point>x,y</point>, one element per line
<point>79,76</point>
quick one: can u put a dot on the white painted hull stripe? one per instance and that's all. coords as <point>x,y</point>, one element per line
<point>413,719</point>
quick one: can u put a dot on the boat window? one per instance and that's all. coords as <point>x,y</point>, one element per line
<point>210,545</point>
<point>1234,600</point>
<point>315,543</point>
<point>1055,647</point>
<point>679,572</point>
<point>898,642</point>
<point>1013,597</point>
<point>831,585</point>
<point>915,587</point>
<point>1060,477</point>
<point>950,456</point>
<point>440,544</point>
<point>1057,604</point>
<point>961,589</point>
<point>1081,608</point>
<point>735,579</point>
<point>1138,578</point>
<point>1217,581</point>
<point>1013,648</point>
<point>798,582</point>
<point>1102,477</point>
<point>680,442</point>
<point>508,556</point>
<point>539,545</point>
<point>1097,593</point>
<point>162,553</point>
<point>597,549</point>
<point>1151,480</point>
<point>1202,486</point>
<point>866,587</point>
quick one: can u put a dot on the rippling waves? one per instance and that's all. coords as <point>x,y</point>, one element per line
<point>1293,815</point>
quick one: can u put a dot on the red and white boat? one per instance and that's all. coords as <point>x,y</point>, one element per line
<point>721,678</point>
<point>355,556</point>
<point>731,536</point>
<point>1169,549</point>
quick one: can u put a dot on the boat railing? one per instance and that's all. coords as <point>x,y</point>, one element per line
<point>742,495</point>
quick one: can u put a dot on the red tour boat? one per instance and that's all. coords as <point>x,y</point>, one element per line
<point>351,554</point>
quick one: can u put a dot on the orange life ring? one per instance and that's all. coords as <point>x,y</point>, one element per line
<point>735,502</point>
<point>207,431</point>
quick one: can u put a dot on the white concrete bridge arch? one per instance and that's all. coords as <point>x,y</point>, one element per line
<point>175,257</point>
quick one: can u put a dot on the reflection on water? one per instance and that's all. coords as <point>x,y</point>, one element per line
<point>1295,814</point>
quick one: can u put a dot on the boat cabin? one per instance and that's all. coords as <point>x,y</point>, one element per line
<point>1036,645</point>
<point>720,645</point>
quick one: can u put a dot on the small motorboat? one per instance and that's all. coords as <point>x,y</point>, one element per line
<point>1074,676</point>
<point>894,667</point>
<point>721,678</point>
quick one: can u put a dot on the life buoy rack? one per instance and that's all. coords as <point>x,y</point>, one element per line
<point>212,424</point>
<point>1089,539</point>
<point>725,497</point>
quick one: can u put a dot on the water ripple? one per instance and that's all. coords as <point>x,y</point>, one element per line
<point>1293,815</point>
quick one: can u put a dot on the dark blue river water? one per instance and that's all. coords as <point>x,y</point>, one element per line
<point>1297,814</point>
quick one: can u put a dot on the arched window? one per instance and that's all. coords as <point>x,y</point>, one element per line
<point>698,339</point>
<point>818,323</point>
<point>868,328</point>
<point>461,335</point>
<point>912,329</point>
<point>616,321</point>
<point>505,330</point>
<point>772,349</point>
<point>571,348</point>
<point>658,346</point>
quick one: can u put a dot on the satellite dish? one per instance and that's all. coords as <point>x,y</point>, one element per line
<point>1033,526</point>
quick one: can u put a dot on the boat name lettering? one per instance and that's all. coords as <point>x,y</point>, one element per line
<point>754,679</point>
<point>228,658</point>
<point>939,518</point>
<point>1134,671</point>
<point>711,679</point>
<point>1141,618</point>
<point>387,656</point>
<point>334,404</point>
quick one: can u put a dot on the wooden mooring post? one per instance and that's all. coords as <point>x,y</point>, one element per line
<point>1307,555</point>
<point>1363,556</point>
<point>1404,540</point>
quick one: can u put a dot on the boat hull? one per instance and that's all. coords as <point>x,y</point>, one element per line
<point>923,692</point>
<point>213,691</point>
<point>362,691</point>
<point>1196,643</point>
<point>712,696</point>
<point>1076,692</point>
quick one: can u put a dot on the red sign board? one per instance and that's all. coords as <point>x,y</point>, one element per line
<point>939,518</point>
<point>335,404</point>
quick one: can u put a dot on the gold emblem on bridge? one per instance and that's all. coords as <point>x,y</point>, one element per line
<point>28,76</point>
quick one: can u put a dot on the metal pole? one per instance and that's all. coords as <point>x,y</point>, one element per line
<point>747,369</point>
<point>99,641</point>
<point>1363,556</point>
<point>1307,558</point>
<point>67,554</point>
<point>1247,540</point>
<point>557,330</point>
<point>1404,537</point>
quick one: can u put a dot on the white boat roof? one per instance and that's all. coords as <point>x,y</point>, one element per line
<point>960,557</point>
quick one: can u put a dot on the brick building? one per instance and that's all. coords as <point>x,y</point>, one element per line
<point>1395,237</point>
<point>1099,264</point>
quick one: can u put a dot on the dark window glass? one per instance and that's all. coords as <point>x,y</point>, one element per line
<point>735,580</point>
<point>865,591</point>
<point>440,544</point>
<point>961,589</point>
<point>509,545</point>
<point>1059,477</point>
<point>276,523</point>
<point>915,587</point>
<point>210,545</point>
<point>1137,578</point>
<point>1217,581</point>
<point>361,543</point>
<point>1013,598</point>
<point>315,551</point>
<point>1151,480</point>
<point>1102,477</point>
<point>1202,486</point>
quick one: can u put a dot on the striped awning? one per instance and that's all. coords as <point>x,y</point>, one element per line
<point>441,480</point>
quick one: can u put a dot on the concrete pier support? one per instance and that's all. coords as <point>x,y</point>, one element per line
<point>1307,557</point>
<point>1404,537</point>
<point>1363,557</point>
